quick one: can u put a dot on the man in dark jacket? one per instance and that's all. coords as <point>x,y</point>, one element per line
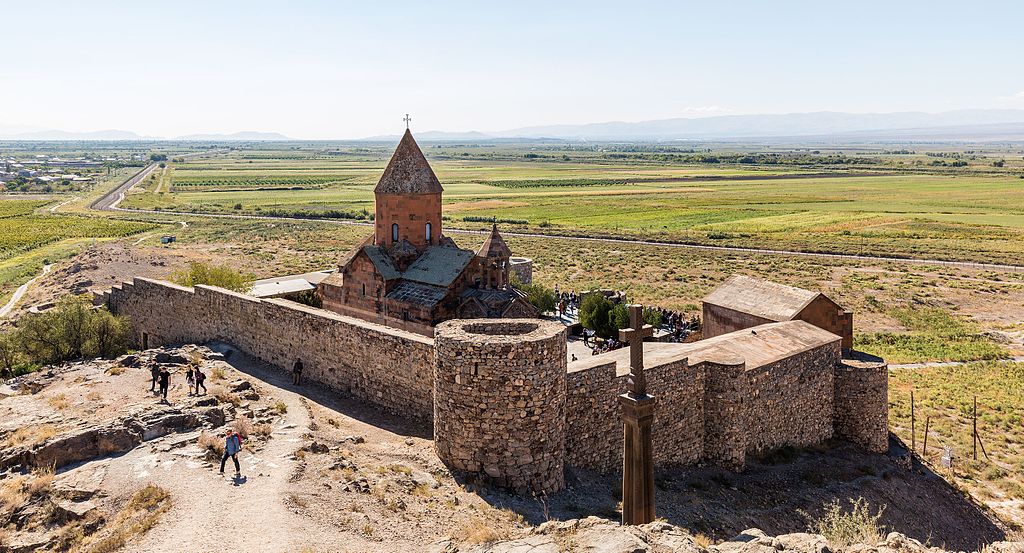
<point>297,372</point>
<point>165,381</point>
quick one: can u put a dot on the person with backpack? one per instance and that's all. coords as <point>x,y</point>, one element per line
<point>200,381</point>
<point>232,445</point>
<point>297,372</point>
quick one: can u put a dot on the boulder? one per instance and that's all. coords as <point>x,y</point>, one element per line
<point>239,385</point>
<point>75,510</point>
<point>128,361</point>
<point>609,540</point>
<point>168,358</point>
<point>529,544</point>
<point>804,543</point>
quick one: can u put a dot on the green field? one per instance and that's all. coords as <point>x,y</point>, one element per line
<point>28,237</point>
<point>887,206</point>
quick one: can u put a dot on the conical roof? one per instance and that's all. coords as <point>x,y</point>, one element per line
<point>494,245</point>
<point>408,171</point>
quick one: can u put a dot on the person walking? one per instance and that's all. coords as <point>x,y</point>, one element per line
<point>297,372</point>
<point>155,372</point>
<point>200,381</point>
<point>165,381</point>
<point>232,445</point>
<point>190,379</point>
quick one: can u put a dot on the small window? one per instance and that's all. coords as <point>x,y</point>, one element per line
<point>430,236</point>
<point>364,289</point>
<point>394,232</point>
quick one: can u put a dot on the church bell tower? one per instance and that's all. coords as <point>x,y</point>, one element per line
<point>408,199</point>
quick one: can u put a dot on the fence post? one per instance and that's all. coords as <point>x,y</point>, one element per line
<point>974,428</point>
<point>913,429</point>
<point>927,422</point>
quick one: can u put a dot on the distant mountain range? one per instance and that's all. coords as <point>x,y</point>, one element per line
<point>823,123</point>
<point>969,125</point>
<point>18,133</point>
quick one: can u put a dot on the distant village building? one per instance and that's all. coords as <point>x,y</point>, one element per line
<point>408,274</point>
<point>743,302</point>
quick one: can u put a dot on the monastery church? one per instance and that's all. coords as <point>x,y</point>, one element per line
<point>408,274</point>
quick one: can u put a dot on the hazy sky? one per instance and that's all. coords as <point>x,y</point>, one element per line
<point>352,69</point>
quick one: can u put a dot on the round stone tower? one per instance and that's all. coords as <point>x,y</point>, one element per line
<point>499,401</point>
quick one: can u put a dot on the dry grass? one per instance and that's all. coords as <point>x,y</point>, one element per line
<point>116,370</point>
<point>93,396</point>
<point>217,373</point>
<point>211,442</point>
<point>264,430</point>
<point>280,407</point>
<point>13,494</point>
<point>227,397</point>
<point>702,540</point>
<point>243,425</point>
<point>59,402</point>
<point>30,435</point>
<point>478,530</point>
<point>141,513</point>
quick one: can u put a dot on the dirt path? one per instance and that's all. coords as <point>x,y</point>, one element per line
<point>1017,359</point>
<point>20,292</point>
<point>211,512</point>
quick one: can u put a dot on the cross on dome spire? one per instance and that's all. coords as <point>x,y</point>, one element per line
<point>407,119</point>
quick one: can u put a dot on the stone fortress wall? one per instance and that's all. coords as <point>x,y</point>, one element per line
<point>499,401</point>
<point>390,368</point>
<point>503,400</point>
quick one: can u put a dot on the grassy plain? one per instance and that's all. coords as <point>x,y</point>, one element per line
<point>944,397</point>
<point>890,205</point>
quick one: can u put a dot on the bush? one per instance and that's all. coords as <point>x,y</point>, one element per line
<point>843,529</point>
<point>213,275</point>
<point>540,297</point>
<point>596,313</point>
<point>71,330</point>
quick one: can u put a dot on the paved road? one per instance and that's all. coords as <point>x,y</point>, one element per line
<point>19,293</point>
<point>110,202</point>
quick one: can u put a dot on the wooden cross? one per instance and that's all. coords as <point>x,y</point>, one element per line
<point>407,119</point>
<point>635,336</point>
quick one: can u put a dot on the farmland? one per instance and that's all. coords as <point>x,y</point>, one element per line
<point>28,238</point>
<point>896,205</point>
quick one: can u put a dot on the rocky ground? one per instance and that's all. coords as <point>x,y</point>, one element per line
<point>90,460</point>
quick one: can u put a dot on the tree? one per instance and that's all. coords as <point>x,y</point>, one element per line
<point>595,311</point>
<point>9,355</point>
<point>213,275</point>
<point>71,330</point>
<point>108,335</point>
<point>544,299</point>
<point>619,317</point>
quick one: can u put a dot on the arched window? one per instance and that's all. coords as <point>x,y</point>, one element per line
<point>430,234</point>
<point>394,232</point>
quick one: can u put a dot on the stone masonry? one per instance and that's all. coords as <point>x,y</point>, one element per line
<point>505,404</point>
<point>499,401</point>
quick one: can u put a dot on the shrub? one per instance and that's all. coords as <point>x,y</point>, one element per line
<point>595,314</point>
<point>544,299</point>
<point>213,275</point>
<point>842,528</point>
<point>280,407</point>
<point>71,330</point>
